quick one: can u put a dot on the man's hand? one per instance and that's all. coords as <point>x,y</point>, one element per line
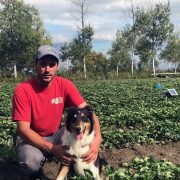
<point>60,152</point>
<point>36,140</point>
<point>92,153</point>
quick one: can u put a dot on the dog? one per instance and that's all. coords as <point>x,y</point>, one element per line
<point>78,134</point>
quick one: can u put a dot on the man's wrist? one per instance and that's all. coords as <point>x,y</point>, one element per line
<point>48,147</point>
<point>98,138</point>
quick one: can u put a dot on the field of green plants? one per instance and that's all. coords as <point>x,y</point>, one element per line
<point>130,112</point>
<point>135,111</point>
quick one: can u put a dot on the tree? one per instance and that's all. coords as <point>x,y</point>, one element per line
<point>171,53</point>
<point>83,29</point>
<point>119,53</point>
<point>21,32</point>
<point>153,27</point>
<point>97,63</point>
<point>77,49</point>
<point>132,13</point>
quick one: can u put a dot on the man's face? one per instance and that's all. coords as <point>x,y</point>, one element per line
<point>46,69</point>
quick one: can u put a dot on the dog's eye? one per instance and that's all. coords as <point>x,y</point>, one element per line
<point>75,115</point>
<point>85,119</point>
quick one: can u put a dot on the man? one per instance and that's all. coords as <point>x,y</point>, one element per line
<point>38,104</point>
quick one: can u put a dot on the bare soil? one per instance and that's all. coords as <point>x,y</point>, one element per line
<point>170,152</point>
<point>115,158</point>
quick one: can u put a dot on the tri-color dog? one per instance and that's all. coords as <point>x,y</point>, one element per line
<point>78,134</point>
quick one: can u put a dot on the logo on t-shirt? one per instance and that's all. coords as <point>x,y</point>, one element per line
<point>57,100</point>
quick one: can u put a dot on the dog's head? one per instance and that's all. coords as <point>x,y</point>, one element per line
<point>79,121</point>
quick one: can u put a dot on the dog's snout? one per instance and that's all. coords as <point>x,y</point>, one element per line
<point>78,129</point>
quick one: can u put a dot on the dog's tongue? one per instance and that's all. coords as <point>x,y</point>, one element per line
<point>79,136</point>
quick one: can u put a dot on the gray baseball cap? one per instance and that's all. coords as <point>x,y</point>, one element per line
<point>46,50</point>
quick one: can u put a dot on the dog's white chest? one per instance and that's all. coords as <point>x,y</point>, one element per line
<point>77,147</point>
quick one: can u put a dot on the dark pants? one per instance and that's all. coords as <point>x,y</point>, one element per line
<point>31,158</point>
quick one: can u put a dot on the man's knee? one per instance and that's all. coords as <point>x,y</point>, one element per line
<point>30,158</point>
<point>32,164</point>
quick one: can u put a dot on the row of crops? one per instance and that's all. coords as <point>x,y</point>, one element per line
<point>135,111</point>
<point>130,112</point>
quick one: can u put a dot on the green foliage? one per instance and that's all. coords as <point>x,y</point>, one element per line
<point>88,176</point>
<point>21,32</point>
<point>134,111</point>
<point>97,63</point>
<point>144,38</point>
<point>78,48</point>
<point>7,131</point>
<point>130,112</point>
<point>119,53</point>
<point>7,127</point>
<point>172,51</point>
<point>153,27</point>
<point>146,168</point>
<point>6,90</point>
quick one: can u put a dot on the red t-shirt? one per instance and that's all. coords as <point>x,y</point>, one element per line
<point>43,108</point>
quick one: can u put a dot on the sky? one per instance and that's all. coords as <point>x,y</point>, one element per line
<point>61,18</point>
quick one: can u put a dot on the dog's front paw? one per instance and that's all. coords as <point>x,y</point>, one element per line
<point>63,173</point>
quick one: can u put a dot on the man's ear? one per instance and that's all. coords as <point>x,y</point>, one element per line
<point>58,63</point>
<point>34,65</point>
<point>35,62</point>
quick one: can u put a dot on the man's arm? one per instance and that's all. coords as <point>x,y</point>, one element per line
<point>92,153</point>
<point>36,140</point>
<point>32,137</point>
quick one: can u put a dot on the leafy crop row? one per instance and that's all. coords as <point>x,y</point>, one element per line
<point>7,128</point>
<point>146,168</point>
<point>130,112</point>
<point>134,111</point>
<point>140,169</point>
<point>6,91</point>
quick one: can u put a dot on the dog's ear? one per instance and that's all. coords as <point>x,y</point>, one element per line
<point>88,111</point>
<point>71,111</point>
<point>70,115</point>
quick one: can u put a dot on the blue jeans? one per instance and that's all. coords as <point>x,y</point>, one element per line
<point>31,158</point>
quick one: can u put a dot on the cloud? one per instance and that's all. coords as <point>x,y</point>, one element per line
<point>175,13</point>
<point>65,13</point>
<point>60,38</point>
<point>67,24</point>
<point>105,16</point>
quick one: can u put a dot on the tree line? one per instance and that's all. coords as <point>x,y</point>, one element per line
<point>150,38</point>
